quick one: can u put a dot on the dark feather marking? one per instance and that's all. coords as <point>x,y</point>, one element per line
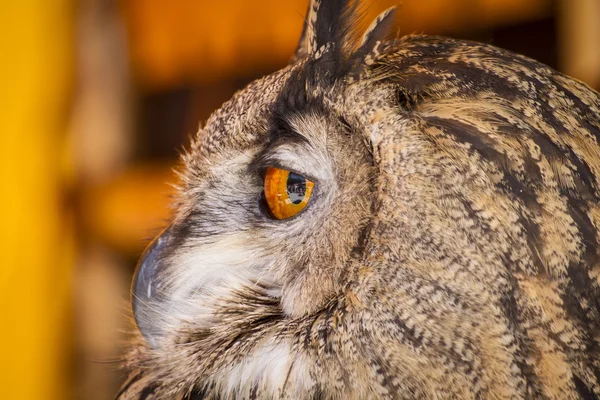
<point>253,393</point>
<point>198,395</point>
<point>147,391</point>
<point>544,90</point>
<point>522,187</point>
<point>471,81</point>
<point>587,231</point>
<point>510,307</point>
<point>294,95</point>
<point>318,393</point>
<point>464,133</point>
<point>552,150</point>
<point>421,47</point>
<point>408,101</point>
<point>408,334</point>
<point>510,183</point>
<point>132,379</point>
<point>583,390</point>
<point>282,132</point>
<point>385,374</point>
<point>580,288</point>
<point>584,179</point>
<point>333,22</point>
<point>585,319</point>
<point>583,112</point>
<point>413,83</point>
<point>206,392</point>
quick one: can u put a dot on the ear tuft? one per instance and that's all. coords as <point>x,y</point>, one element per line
<point>307,44</point>
<point>327,21</point>
<point>373,36</point>
<point>379,28</point>
<point>328,28</point>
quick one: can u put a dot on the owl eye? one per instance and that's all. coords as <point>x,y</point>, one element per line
<point>286,193</point>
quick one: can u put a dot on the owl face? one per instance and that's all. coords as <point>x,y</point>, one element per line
<point>228,237</point>
<point>406,219</point>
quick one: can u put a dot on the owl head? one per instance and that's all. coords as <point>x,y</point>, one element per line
<point>380,219</point>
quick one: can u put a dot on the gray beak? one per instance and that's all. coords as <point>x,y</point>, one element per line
<point>146,289</point>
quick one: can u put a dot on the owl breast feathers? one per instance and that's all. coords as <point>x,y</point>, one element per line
<point>415,218</point>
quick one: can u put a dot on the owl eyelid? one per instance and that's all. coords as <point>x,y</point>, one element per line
<point>267,159</point>
<point>283,140</point>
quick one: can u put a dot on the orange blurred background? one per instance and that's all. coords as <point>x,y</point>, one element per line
<point>99,97</point>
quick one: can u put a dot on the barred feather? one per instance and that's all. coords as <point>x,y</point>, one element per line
<point>452,250</point>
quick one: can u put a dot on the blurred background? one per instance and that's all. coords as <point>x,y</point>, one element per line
<point>99,97</point>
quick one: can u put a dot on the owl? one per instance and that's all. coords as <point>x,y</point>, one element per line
<point>381,219</point>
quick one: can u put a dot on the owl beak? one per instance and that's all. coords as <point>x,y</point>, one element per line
<point>146,292</point>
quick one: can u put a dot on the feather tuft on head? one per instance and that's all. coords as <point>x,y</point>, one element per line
<point>329,28</point>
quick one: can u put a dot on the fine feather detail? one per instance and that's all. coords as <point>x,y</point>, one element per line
<point>451,248</point>
<point>379,28</point>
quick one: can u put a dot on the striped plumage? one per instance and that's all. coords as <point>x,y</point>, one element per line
<point>452,252</point>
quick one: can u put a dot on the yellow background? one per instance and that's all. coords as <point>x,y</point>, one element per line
<point>35,305</point>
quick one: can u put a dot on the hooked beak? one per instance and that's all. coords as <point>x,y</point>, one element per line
<point>146,292</point>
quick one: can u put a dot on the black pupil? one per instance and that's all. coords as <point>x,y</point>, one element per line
<point>296,187</point>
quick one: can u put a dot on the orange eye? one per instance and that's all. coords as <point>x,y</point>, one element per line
<point>286,193</point>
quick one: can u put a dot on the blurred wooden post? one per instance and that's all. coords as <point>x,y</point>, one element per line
<point>579,40</point>
<point>35,284</point>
